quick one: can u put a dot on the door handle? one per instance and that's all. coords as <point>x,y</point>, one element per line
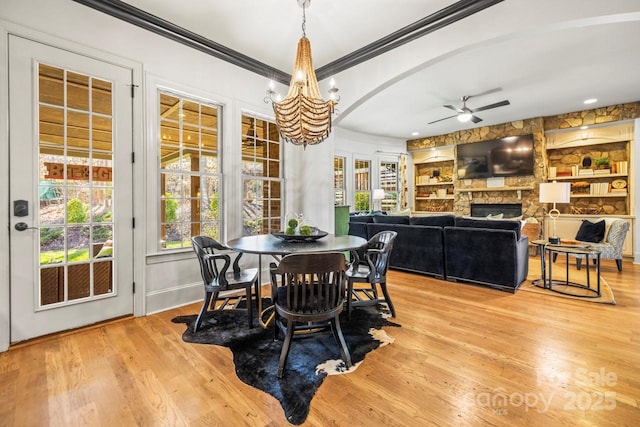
<point>21,226</point>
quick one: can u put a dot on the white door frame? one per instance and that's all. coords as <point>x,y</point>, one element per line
<point>7,28</point>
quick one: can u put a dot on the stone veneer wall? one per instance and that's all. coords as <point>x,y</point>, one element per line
<point>535,126</point>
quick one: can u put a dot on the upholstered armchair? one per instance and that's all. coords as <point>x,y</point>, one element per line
<point>611,246</point>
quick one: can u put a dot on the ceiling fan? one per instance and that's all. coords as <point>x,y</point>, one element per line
<point>465,113</point>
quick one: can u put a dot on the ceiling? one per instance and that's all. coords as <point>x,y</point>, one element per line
<point>545,57</point>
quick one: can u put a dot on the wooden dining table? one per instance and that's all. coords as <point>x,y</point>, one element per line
<point>267,244</point>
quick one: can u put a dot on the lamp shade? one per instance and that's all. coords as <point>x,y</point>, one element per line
<point>378,194</point>
<point>555,192</point>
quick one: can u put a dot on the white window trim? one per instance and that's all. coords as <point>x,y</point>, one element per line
<point>281,178</point>
<point>154,86</point>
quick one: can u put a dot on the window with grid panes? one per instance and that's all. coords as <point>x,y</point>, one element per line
<point>362,185</point>
<point>389,183</point>
<point>339,186</point>
<point>190,179</point>
<point>262,177</point>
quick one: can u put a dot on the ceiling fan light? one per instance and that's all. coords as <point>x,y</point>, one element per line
<point>464,117</point>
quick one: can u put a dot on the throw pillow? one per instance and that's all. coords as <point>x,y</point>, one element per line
<point>592,232</point>
<point>403,212</point>
<point>106,250</point>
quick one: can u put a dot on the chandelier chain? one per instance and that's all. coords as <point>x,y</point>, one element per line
<point>304,20</point>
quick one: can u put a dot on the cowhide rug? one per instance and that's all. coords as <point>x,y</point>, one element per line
<point>255,353</point>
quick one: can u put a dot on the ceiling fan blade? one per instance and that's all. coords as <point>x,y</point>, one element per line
<point>451,107</point>
<point>490,106</point>
<point>486,92</point>
<point>476,119</point>
<point>439,120</point>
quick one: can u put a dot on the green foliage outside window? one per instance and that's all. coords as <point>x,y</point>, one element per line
<point>214,205</point>
<point>170,208</point>
<point>48,235</point>
<point>77,211</point>
<point>362,202</point>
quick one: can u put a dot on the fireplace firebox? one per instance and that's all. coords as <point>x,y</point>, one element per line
<point>509,210</point>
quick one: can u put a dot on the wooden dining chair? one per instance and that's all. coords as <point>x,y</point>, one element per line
<point>215,260</point>
<point>370,268</point>
<point>308,294</point>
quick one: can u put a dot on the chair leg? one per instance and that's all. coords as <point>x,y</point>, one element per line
<point>203,310</point>
<point>619,264</point>
<point>387,298</point>
<point>285,347</point>
<point>349,296</point>
<point>249,305</point>
<point>579,263</point>
<point>337,334</point>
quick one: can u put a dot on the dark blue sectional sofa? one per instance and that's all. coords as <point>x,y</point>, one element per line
<point>492,253</point>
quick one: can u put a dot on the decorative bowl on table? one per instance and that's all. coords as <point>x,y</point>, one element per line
<point>315,235</point>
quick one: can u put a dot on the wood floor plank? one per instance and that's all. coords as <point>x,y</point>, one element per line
<point>464,355</point>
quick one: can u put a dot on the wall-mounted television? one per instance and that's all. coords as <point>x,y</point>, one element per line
<point>511,156</point>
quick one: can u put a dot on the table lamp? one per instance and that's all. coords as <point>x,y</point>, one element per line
<point>555,192</point>
<point>378,194</point>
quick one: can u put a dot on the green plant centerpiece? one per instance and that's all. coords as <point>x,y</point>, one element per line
<point>296,225</point>
<point>292,224</point>
<point>305,230</point>
<point>602,163</point>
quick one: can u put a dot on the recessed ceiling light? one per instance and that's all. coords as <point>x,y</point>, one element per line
<point>590,101</point>
<point>415,133</point>
<point>584,127</point>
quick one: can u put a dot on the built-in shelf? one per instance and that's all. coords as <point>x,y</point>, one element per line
<point>579,177</point>
<point>435,183</point>
<point>619,194</point>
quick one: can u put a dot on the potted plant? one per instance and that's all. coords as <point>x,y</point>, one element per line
<point>602,163</point>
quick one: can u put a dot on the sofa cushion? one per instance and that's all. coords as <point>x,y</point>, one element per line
<point>361,218</point>
<point>490,224</point>
<point>387,219</point>
<point>416,248</point>
<point>434,220</point>
<point>591,231</point>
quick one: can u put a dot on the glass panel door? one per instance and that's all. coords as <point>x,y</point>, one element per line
<point>75,157</point>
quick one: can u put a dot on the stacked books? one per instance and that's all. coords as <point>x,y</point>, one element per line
<point>602,172</point>
<point>621,167</point>
<point>599,188</point>
<point>583,172</point>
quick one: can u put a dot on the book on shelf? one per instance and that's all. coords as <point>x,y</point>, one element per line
<point>583,172</point>
<point>599,188</point>
<point>621,167</point>
<point>602,172</point>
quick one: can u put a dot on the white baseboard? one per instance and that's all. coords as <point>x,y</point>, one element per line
<point>176,296</point>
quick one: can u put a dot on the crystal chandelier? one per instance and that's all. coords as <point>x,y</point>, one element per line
<point>303,117</point>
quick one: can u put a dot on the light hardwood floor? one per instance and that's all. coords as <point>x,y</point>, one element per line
<point>465,355</point>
